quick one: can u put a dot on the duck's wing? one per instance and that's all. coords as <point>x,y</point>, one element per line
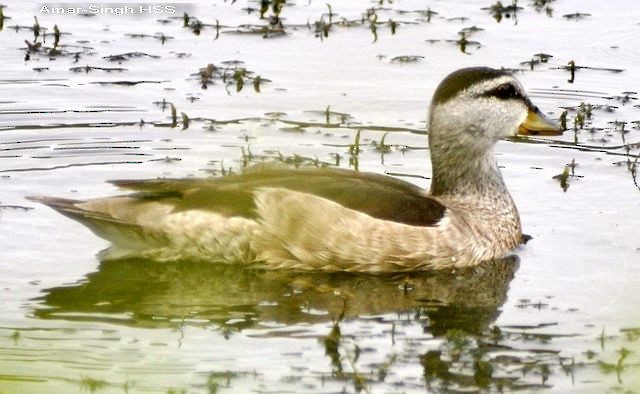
<point>379,196</point>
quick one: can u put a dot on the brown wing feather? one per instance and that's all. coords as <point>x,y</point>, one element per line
<point>380,196</point>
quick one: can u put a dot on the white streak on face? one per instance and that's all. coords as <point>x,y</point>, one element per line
<point>471,113</point>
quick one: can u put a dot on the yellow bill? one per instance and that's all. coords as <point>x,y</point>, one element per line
<point>538,124</point>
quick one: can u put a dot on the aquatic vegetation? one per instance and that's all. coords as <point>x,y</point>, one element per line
<point>354,150</point>
<point>577,16</point>
<point>428,14</point>
<point>372,17</point>
<point>138,35</point>
<point>563,120</point>
<point>460,19</point>
<point>2,17</point>
<point>125,83</point>
<point>16,207</point>
<point>499,11</point>
<point>486,361</point>
<point>299,160</point>
<point>581,119</point>
<point>56,35</point>
<point>463,42</point>
<point>185,120</point>
<point>15,336</point>
<point>331,118</point>
<point>406,59</point>
<point>631,159</point>
<point>471,30</point>
<point>331,344</point>
<point>381,146</point>
<point>543,5</point>
<point>193,24</point>
<point>569,173</point>
<point>92,385</point>
<point>174,116</point>
<point>218,380</point>
<point>267,31</point>
<point>542,57</point>
<point>563,177</point>
<point>572,68</point>
<point>230,73</point>
<point>578,121</point>
<point>86,69</point>
<point>219,169</point>
<point>164,104</point>
<point>537,59</point>
<point>618,367</point>
<point>321,29</point>
<point>256,83</point>
<point>37,46</point>
<point>269,11</point>
<point>531,63</point>
<point>248,159</point>
<point>36,29</point>
<point>625,97</point>
<point>425,15</point>
<point>162,38</point>
<point>393,25</point>
<point>293,129</point>
<point>123,57</point>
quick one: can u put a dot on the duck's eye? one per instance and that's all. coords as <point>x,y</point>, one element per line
<point>504,92</point>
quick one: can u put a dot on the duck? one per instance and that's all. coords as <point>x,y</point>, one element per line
<point>336,219</point>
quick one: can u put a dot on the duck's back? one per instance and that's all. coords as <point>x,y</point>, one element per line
<point>380,196</point>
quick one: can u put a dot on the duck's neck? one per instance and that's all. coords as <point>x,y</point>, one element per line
<point>459,171</point>
<point>466,177</point>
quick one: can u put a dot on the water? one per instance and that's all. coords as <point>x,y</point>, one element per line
<point>563,316</point>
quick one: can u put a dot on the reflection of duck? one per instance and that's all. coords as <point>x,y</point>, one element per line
<point>335,219</point>
<point>144,293</point>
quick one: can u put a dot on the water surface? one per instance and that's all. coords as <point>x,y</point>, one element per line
<point>561,316</point>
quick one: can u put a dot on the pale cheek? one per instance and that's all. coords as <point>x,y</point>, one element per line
<point>513,117</point>
<point>519,121</point>
<point>522,117</point>
<point>502,122</point>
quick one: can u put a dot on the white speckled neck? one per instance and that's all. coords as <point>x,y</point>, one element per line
<point>466,178</point>
<point>461,167</point>
<point>467,175</point>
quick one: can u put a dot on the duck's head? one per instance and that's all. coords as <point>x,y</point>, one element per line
<point>478,106</point>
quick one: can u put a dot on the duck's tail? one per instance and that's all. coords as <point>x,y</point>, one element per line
<point>65,206</point>
<point>121,233</point>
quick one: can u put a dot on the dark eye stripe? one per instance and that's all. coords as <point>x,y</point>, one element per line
<point>505,91</point>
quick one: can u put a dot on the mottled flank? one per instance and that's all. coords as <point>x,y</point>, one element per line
<point>335,219</point>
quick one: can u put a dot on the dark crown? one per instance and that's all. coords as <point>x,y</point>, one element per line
<point>462,79</point>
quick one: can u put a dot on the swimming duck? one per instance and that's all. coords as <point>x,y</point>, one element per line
<point>335,219</point>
